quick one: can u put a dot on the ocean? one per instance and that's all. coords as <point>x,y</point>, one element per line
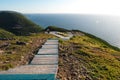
<point>103,26</point>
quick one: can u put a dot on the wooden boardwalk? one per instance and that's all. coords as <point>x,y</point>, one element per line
<point>62,37</point>
<point>44,65</point>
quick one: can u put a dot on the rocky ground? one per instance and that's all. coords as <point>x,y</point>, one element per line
<point>21,50</point>
<point>71,66</point>
<point>85,57</point>
<point>14,58</point>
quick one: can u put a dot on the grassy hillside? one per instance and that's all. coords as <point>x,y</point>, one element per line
<point>17,23</point>
<point>85,57</point>
<point>54,28</point>
<point>98,39</point>
<point>5,34</point>
<point>13,54</point>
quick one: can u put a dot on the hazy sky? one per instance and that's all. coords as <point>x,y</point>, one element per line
<point>63,6</point>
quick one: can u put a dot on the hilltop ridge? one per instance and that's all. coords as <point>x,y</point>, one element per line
<point>17,23</point>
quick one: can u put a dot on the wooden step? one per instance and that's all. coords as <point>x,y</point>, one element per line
<point>49,46</point>
<point>47,51</point>
<point>32,69</point>
<point>45,60</point>
<point>51,42</point>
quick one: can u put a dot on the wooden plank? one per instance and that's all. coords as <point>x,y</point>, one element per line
<point>51,42</point>
<point>47,51</point>
<point>50,46</point>
<point>45,60</point>
<point>32,69</point>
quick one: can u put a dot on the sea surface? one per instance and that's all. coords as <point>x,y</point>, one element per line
<point>103,26</point>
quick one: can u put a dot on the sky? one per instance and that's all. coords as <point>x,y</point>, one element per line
<point>109,7</point>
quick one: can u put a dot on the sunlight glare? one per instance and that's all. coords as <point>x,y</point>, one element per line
<point>108,7</point>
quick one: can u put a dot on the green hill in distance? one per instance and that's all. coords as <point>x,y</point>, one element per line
<point>17,24</point>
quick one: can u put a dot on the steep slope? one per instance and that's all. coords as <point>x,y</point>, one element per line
<point>5,34</point>
<point>86,57</point>
<point>17,23</point>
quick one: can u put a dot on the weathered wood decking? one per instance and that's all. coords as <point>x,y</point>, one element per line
<point>62,37</point>
<point>45,60</point>
<point>44,65</point>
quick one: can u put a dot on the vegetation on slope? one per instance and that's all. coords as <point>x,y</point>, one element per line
<point>54,28</point>
<point>5,34</point>
<point>15,47</point>
<point>98,39</point>
<point>14,54</point>
<point>86,58</point>
<point>17,23</point>
<point>83,57</point>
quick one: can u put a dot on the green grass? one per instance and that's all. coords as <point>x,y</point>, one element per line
<point>99,39</point>
<point>15,55</point>
<point>101,59</point>
<point>6,34</point>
